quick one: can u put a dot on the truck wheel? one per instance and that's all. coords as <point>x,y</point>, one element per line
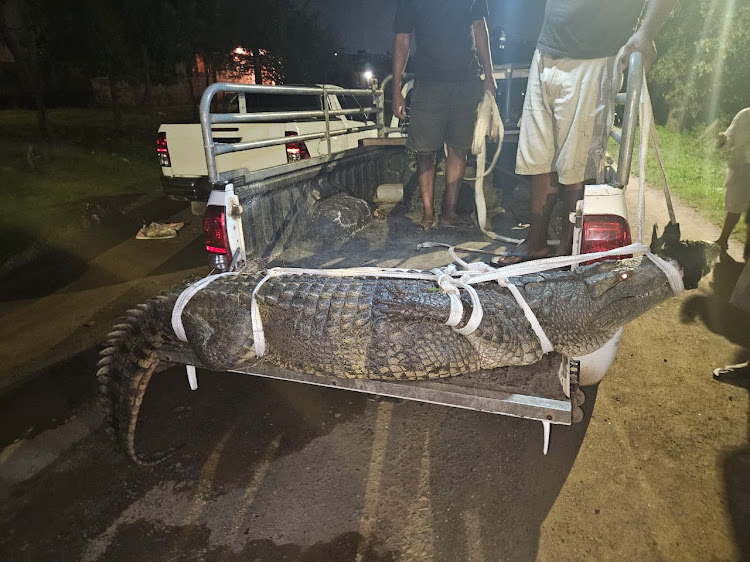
<point>197,208</point>
<point>577,415</point>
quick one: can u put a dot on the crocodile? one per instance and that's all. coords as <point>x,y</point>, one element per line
<point>381,328</point>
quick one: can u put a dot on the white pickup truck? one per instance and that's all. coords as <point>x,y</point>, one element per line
<point>180,147</point>
<point>263,213</point>
<point>308,214</point>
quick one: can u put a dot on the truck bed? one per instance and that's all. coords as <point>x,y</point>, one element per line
<point>534,392</point>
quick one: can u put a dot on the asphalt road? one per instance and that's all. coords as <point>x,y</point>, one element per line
<point>658,469</point>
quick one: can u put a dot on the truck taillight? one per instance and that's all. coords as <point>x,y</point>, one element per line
<point>296,150</point>
<point>604,232</point>
<point>162,150</point>
<point>215,235</point>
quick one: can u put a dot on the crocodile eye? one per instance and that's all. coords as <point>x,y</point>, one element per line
<point>625,275</point>
<point>600,284</point>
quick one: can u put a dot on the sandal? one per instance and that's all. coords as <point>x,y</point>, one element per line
<point>731,371</point>
<point>425,226</point>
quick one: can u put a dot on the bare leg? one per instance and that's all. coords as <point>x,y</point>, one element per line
<point>571,194</point>
<point>730,221</point>
<point>426,180</point>
<point>544,193</point>
<point>455,169</point>
<point>545,189</point>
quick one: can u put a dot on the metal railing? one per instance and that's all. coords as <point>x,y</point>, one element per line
<point>625,135</point>
<point>208,119</point>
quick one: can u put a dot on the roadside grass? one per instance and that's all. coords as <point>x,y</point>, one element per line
<point>46,186</point>
<point>695,173</point>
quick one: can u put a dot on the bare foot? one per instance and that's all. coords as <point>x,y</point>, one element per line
<point>523,252</point>
<point>426,224</point>
<point>456,221</point>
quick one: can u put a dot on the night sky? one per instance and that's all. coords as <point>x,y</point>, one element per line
<point>367,24</point>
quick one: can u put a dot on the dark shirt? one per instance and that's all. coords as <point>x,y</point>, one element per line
<point>445,49</point>
<point>588,29</point>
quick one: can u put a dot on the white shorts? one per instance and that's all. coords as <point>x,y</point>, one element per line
<point>737,196</point>
<point>567,115</point>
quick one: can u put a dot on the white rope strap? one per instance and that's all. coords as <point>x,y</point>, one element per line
<point>670,272</point>
<point>443,277</point>
<point>477,313</point>
<point>503,282</point>
<point>445,282</point>
<point>184,299</point>
<point>259,336</point>
<point>644,120</point>
<point>530,316</point>
<point>544,264</point>
<point>448,279</point>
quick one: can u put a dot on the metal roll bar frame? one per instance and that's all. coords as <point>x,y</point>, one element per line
<point>207,118</point>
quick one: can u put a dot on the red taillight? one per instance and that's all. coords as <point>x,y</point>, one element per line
<point>604,232</point>
<point>162,150</point>
<point>215,230</point>
<point>296,150</point>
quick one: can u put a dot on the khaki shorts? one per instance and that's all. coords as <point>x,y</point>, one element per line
<point>737,196</point>
<point>567,115</point>
<point>443,113</point>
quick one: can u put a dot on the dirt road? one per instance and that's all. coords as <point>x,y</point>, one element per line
<point>658,470</point>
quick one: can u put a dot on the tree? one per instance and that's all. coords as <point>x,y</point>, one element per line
<point>306,47</point>
<point>145,42</point>
<point>703,74</point>
<point>22,28</point>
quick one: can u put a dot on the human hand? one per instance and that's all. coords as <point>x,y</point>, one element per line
<point>398,105</point>
<point>638,42</point>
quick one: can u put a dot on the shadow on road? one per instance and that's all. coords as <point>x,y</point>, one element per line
<point>55,393</point>
<point>449,484</point>
<point>38,262</point>
<point>346,547</point>
<point>719,316</point>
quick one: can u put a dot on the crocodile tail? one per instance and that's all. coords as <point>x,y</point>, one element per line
<point>128,361</point>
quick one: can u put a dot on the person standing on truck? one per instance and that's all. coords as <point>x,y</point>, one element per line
<point>735,141</point>
<point>452,42</point>
<point>569,105</point>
